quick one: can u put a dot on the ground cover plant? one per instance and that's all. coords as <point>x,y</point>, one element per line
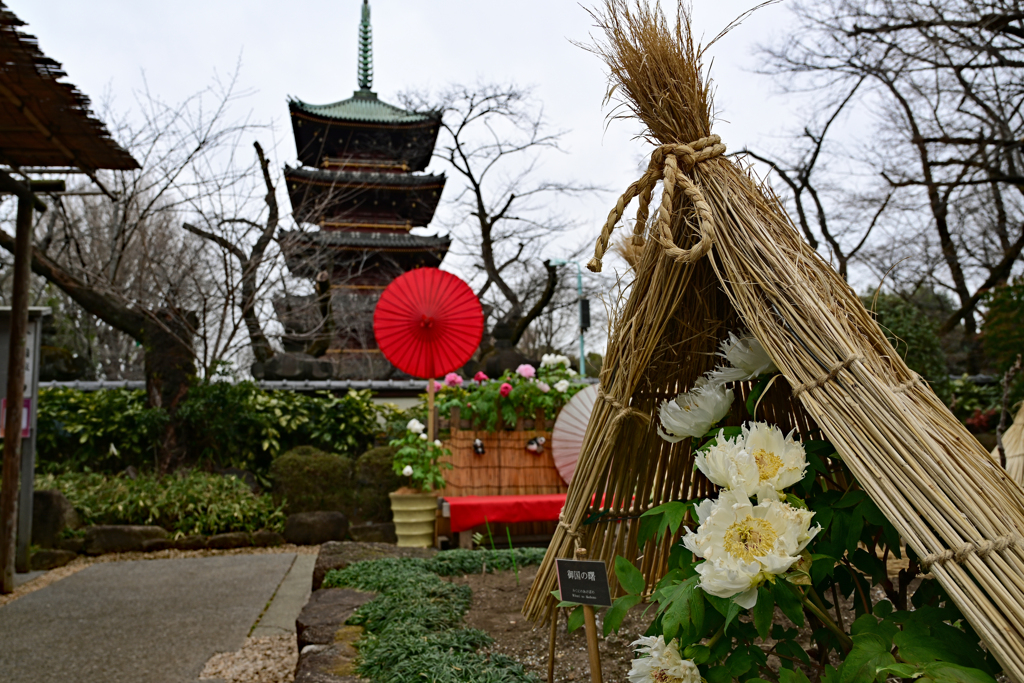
<point>414,627</point>
<point>192,503</point>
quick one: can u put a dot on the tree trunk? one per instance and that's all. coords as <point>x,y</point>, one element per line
<point>170,368</point>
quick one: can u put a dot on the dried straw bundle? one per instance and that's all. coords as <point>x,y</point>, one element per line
<point>1013,445</point>
<point>961,514</point>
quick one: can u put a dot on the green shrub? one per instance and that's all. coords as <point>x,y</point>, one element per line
<point>912,333</point>
<point>374,480</point>
<point>414,625</point>
<point>243,426</point>
<point>306,479</point>
<point>1001,331</point>
<point>222,425</point>
<point>103,430</point>
<point>193,503</point>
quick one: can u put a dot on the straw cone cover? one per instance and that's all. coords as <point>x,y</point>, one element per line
<point>719,253</point>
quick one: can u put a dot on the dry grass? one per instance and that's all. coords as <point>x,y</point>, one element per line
<point>929,476</point>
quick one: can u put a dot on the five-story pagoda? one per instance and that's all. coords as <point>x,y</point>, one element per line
<point>360,184</point>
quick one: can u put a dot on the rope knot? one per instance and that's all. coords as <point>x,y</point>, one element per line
<point>669,163</point>
<point>982,549</point>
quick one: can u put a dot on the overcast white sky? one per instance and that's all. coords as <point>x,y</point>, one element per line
<point>307,49</point>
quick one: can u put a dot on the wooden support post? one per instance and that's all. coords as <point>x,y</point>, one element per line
<point>590,625</point>
<point>430,410</point>
<point>15,393</point>
<point>551,643</point>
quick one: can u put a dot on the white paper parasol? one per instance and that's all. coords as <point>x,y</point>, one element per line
<point>571,425</point>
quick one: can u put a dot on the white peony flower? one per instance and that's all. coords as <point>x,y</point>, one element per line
<point>747,360</point>
<point>415,426</point>
<point>759,462</point>
<point>550,360</point>
<point>745,544</point>
<point>407,471</point>
<point>423,437</point>
<point>562,386</point>
<point>437,443</point>
<point>693,413</point>
<point>661,663</point>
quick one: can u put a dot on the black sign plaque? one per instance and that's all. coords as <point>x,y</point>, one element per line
<point>584,582</point>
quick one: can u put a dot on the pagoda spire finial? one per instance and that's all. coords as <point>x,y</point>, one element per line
<point>365,49</point>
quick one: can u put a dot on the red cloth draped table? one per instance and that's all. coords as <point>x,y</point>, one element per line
<point>467,512</point>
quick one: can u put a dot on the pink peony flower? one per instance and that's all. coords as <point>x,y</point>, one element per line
<point>543,386</point>
<point>526,371</point>
<point>480,377</point>
<point>453,380</point>
<point>505,389</point>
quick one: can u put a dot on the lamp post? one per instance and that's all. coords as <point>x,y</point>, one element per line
<point>584,310</point>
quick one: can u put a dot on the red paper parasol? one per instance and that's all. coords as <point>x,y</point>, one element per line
<point>428,323</point>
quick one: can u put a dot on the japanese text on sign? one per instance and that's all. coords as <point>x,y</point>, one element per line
<point>584,582</point>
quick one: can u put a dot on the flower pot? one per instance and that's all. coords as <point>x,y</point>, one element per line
<point>414,516</point>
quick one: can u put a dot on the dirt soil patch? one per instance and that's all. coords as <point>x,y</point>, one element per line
<point>497,600</point>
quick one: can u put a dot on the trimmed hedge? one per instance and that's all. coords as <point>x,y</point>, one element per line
<point>374,479</point>
<point>306,480</point>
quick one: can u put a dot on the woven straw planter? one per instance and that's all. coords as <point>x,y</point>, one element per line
<point>414,515</point>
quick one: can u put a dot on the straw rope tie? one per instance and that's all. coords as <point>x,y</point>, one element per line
<point>574,534</point>
<point>832,374</point>
<point>669,163</point>
<point>982,549</point>
<point>904,387</point>
<point>624,410</point>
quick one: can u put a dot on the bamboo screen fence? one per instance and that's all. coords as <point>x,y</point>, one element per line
<point>506,467</point>
<point>720,255</point>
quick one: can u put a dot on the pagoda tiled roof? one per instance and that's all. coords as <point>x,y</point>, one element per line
<point>365,240</point>
<point>336,177</point>
<point>363,106</point>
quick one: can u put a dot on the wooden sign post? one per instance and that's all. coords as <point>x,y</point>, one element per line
<point>586,582</point>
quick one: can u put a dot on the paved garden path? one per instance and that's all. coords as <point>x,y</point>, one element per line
<point>151,621</point>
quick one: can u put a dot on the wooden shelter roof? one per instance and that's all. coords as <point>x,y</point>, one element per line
<point>45,122</point>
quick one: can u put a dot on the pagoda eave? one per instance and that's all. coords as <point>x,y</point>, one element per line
<point>338,197</point>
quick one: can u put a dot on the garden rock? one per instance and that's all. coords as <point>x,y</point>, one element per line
<point>324,616</point>
<point>116,538</point>
<point>313,528</point>
<point>51,514</point>
<point>267,539</point>
<point>46,559</point>
<point>75,544</point>
<point>293,366</point>
<point>383,532</point>
<point>152,545</point>
<point>334,663</point>
<point>234,539</point>
<point>307,479</point>
<point>341,555</point>
<point>193,542</point>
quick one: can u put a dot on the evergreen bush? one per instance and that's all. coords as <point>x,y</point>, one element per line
<point>374,480</point>
<point>305,479</point>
